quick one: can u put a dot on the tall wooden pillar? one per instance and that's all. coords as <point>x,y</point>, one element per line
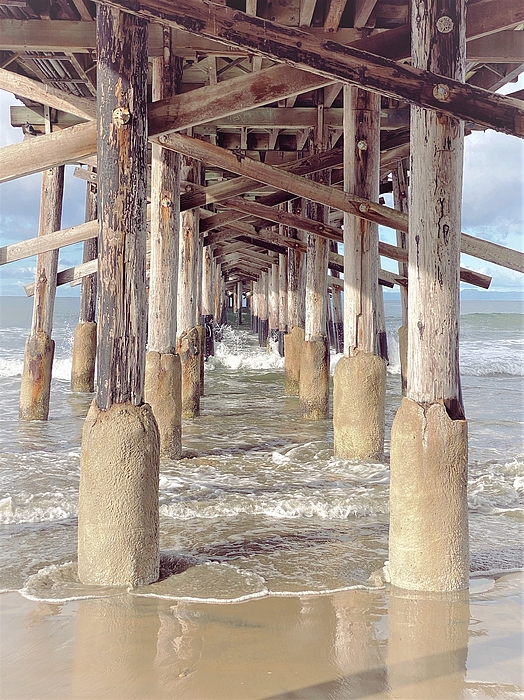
<point>314,362</point>
<point>35,388</point>
<point>273,291</point>
<point>282,301</point>
<point>338,314</point>
<point>163,379</point>
<point>360,376</point>
<point>84,343</point>
<point>429,514</point>
<point>239,302</point>
<point>296,297</point>
<point>263,319</point>
<point>188,337</point>
<point>118,498</point>
<point>208,301</point>
<point>400,199</point>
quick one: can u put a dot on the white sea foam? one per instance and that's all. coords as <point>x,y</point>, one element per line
<point>37,508</point>
<point>11,368</point>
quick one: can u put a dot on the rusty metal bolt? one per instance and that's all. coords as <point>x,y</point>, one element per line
<point>121,116</point>
<point>445,24</point>
<point>363,208</point>
<point>362,145</point>
<point>166,202</point>
<point>441,92</point>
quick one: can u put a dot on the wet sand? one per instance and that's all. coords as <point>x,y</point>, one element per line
<point>354,644</point>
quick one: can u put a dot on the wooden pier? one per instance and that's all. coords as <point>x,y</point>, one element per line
<point>229,148</point>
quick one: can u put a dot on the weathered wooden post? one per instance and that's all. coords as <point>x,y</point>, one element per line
<point>282,301</point>
<point>296,298</point>
<point>208,301</point>
<point>239,302</point>
<point>163,378</point>
<point>273,290</point>
<point>360,376</point>
<point>35,387</point>
<point>263,320</point>
<point>429,449</point>
<point>400,199</point>
<point>188,337</point>
<point>314,361</point>
<point>118,497</point>
<point>84,340</point>
<point>338,317</point>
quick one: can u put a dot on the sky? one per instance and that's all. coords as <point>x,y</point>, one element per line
<point>493,206</point>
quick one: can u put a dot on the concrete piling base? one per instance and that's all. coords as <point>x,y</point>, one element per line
<point>35,388</point>
<point>163,391</point>
<point>314,379</point>
<point>118,539</point>
<point>293,342</point>
<point>189,349</point>
<point>428,534</point>
<point>359,395</point>
<point>84,357</point>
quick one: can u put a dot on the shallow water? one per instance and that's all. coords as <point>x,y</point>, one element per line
<point>258,505</point>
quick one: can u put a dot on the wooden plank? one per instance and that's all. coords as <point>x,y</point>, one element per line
<point>58,239</point>
<point>492,16</point>
<point>317,192</point>
<point>503,47</point>
<point>47,94</point>
<point>177,112</point>
<point>348,64</point>
<point>363,10</point>
<point>334,15</point>
<point>88,292</point>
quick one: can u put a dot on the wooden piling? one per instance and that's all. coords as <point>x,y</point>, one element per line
<point>360,376</point>
<point>263,319</point>
<point>429,433</point>
<point>188,337</point>
<point>118,497</point>
<point>208,301</point>
<point>84,340</point>
<point>35,387</point>
<point>314,364</point>
<point>282,301</point>
<point>239,303</point>
<point>163,379</point>
<point>296,295</point>
<point>273,302</point>
<point>400,199</point>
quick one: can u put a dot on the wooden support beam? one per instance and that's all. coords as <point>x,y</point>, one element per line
<point>363,10</point>
<point>302,49</point>
<point>503,47</point>
<point>492,16</point>
<point>175,112</point>
<point>47,94</point>
<point>334,15</point>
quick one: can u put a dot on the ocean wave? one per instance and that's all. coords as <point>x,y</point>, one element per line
<point>328,507</point>
<point>37,509</point>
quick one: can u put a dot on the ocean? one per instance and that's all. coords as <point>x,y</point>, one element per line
<point>258,505</point>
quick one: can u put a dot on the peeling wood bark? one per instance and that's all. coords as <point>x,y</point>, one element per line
<point>122,167</point>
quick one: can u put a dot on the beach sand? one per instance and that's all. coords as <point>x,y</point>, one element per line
<point>352,644</point>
